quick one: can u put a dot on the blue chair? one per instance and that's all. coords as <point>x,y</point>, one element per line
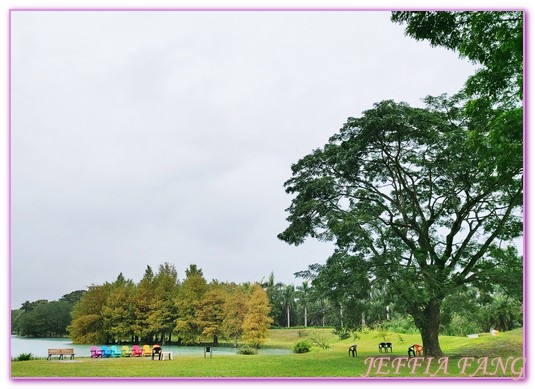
<point>106,352</point>
<point>115,352</point>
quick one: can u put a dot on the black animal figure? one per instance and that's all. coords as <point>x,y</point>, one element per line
<point>353,350</point>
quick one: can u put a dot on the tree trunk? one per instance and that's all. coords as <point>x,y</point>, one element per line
<point>305,315</point>
<point>428,322</point>
<point>288,313</point>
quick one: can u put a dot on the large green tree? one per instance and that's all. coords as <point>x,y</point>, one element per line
<point>43,319</point>
<point>144,299</point>
<point>408,203</point>
<point>162,317</point>
<point>187,302</point>
<point>87,324</point>
<point>118,312</point>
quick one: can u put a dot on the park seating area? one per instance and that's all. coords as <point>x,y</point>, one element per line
<point>413,351</point>
<point>113,352</point>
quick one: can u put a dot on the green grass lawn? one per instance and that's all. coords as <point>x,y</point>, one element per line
<point>332,362</point>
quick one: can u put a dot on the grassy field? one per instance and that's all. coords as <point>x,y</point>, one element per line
<point>332,362</point>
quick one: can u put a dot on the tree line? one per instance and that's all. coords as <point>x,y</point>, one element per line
<point>160,306</point>
<point>121,311</point>
<point>43,318</point>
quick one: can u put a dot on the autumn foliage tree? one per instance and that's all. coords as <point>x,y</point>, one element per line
<point>235,309</point>
<point>257,321</point>
<point>160,306</point>
<point>210,314</point>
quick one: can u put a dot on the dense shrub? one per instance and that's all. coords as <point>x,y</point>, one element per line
<point>403,324</point>
<point>24,357</point>
<point>461,326</point>
<point>247,350</point>
<point>301,347</point>
<point>342,333</point>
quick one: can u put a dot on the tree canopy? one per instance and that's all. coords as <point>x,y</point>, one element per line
<point>492,39</point>
<point>408,204</point>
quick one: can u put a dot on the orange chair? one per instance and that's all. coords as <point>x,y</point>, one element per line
<point>415,349</point>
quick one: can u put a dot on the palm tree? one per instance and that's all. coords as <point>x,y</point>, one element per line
<point>288,300</point>
<point>274,292</point>
<point>303,293</point>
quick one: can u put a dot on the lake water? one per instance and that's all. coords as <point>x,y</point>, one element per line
<point>38,347</point>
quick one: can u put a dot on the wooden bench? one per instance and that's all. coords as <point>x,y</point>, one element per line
<point>61,352</point>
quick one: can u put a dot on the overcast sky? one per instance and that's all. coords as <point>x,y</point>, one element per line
<point>140,138</point>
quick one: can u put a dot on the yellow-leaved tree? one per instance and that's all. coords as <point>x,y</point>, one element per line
<point>257,321</point>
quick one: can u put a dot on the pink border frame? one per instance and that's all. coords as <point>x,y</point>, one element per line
<point>274,379</point>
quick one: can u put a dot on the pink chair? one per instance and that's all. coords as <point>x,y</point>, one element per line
<point>96,352</point>
<point>136,351</point>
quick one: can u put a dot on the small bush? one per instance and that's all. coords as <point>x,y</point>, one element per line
<point>247,350</point>
<point>320,339</point>
<point>24,357</point>
<point>342,333</point>
<point>301,347</point>
<point>302,333</point>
